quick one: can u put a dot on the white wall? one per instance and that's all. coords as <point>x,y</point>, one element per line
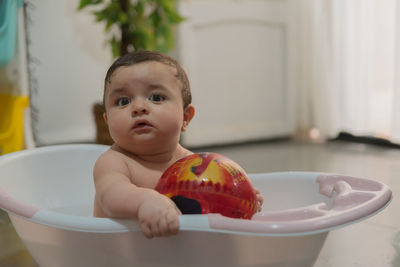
<point>68,61</point>
<point>238,54</point>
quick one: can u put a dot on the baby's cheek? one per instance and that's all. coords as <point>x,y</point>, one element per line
<point>175,126</point>
<point>116,127</point>
<point>170,119</point>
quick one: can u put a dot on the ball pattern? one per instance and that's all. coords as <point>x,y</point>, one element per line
<point>209,183</point>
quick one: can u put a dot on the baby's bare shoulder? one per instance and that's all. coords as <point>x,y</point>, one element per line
<point>111,161</point>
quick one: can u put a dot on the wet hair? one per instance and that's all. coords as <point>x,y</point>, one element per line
<point>143,56</point>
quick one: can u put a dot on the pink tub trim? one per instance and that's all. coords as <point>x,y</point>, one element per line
<point>10,204</point>
<point>355,198</point>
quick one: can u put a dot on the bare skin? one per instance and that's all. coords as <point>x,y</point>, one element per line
<point>124,189</point>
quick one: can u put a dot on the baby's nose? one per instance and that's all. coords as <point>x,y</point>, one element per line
<point>140,107</point>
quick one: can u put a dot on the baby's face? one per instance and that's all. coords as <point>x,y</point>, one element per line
<point>144,107</point>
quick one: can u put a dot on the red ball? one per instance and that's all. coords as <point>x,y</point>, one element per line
<point>209,183</point>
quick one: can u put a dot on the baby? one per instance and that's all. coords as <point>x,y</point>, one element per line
<point>147,102</point>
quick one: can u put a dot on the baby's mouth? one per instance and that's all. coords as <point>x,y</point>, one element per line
<point>140,124</point>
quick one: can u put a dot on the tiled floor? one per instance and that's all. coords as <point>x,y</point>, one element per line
<point>374,242</point>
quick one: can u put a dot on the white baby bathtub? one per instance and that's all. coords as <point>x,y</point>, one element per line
<point>48,193</point>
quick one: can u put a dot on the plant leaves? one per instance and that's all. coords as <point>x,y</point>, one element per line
<point>147,24</point>
<point>115,47</point>
<point>85,3</point>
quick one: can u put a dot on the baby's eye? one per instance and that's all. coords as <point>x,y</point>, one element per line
<point>156,98</point>
<point>123,101</point>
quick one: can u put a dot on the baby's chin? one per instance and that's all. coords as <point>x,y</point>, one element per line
<point>143,148</point>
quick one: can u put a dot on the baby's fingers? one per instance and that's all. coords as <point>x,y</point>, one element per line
<point>155,228</point>
<point>163,226</point>
<point>260,199</point>
<point>146,230</point>
<point>172,220</point>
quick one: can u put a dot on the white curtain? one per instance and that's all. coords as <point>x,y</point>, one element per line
<point>349,67</point>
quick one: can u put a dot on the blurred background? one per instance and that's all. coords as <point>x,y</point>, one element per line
<point>258,69</point>
<point>261,71</point>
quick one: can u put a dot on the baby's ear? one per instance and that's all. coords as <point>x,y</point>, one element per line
<point>188,114</point>
<point>105,117</point>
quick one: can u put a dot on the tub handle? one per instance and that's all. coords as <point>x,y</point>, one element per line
<point>353,199</point>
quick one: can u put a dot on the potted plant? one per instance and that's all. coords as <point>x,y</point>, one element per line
<point>133,25</point>
<point>136,24</point>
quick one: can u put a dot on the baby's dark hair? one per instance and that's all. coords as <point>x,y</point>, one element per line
<point>143,56</point>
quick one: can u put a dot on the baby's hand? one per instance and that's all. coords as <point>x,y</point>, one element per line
<point>260,200</point>
<point>158,216</point>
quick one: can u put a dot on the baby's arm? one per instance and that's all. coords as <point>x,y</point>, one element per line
<point>119,198</point>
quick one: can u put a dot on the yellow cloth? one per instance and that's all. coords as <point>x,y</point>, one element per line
<point>12,122</point>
